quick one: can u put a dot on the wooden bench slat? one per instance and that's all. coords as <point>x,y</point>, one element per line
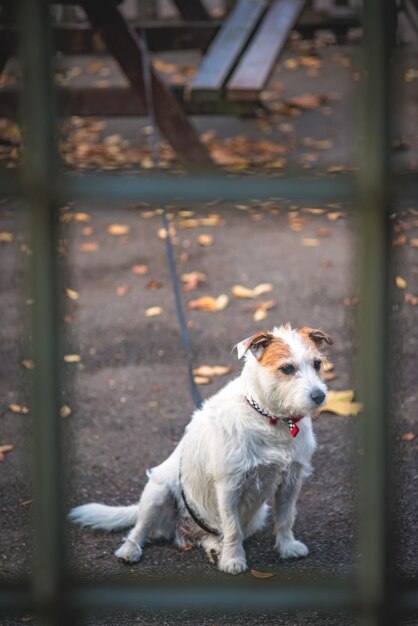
<point>257,62</point>
<point>226,48</point>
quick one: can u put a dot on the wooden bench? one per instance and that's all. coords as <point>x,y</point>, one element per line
<point>241,57</point>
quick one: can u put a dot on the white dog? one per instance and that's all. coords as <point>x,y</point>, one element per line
<point>251,441</point>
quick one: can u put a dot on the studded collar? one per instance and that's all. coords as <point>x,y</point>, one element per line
<point>273,419</point>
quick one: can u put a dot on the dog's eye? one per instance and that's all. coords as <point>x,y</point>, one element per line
<point>288,369</point>
<point>317,364</point>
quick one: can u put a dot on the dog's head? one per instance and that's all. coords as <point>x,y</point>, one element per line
<point>285,368</point>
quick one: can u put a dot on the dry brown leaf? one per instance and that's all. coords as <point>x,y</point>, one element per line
<point>306,101</point>
<point>72,358</point>
<point>118,229</point>
<point>261,575</point>
<point>89,246</point>
<point>153,311</point>
<point>205,240</point>
<point>192,280</point>
<point>87,231</point>
<point>209,303</point>
<point>6,237</point>
<point>401,282</point>
<point>335,215</point>
<point>28,363</point>
<point>260,312</point>
<point>19,408</point>
<point>81,217</point>
<point>400,240</point>
<point>310,243</point>
<point>4,449</point>
<point>211,370</point>
<point>72,294</point>
<point>139,270</point>
<point>239,291</point>
<point>407,437</point>
<point>341,403</point>
<point>65,411</point>
<point>414,243</point>
<point>411,299</point>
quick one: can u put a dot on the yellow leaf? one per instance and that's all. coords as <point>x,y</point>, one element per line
<point>73,295</point>
<point>192,280</point>
<point>202,380</point>
<point>72,358</point>
<point>139,270</point>
<point>4,449</point>
<point>209,303</point>
<point>341,403</point>
<point>65,411</point>
<point>336,215</point>
<point>239,291</point>
<point>5,237</point>
<point>314,211</point>
<point>28,363</point>
<point>211,370</point>
<point>118,229</point>
<point>153,311</point>
<point>258,574</point>
<point>18,408</point>
<point>400,282</point>
<point>82,217</point>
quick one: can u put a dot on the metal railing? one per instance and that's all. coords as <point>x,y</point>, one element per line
<point>371,593</point>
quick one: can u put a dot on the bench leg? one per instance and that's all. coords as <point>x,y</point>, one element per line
<point>124,44</point>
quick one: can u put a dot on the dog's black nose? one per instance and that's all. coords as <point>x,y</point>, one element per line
<point>318,396</point>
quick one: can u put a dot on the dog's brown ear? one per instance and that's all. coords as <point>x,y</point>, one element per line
<point>257,344</point>
<point>317,336</point>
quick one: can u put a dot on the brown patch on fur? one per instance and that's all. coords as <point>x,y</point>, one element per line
<point>277,351</point>
<point>314,336</point>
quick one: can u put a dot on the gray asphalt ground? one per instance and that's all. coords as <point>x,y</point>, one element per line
<point>129,393</point>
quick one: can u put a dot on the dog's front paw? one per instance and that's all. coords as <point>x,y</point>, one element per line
<point>293,550</point>
<point>129,552</point>
<point>233,565</point>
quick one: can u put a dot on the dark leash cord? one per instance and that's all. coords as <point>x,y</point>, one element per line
<point>184,333</point>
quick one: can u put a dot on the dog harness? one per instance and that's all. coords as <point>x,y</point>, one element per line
<point>273,419</point>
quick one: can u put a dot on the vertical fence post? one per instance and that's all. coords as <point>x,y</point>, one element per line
<point>373,326</point>
<point>39,165</point>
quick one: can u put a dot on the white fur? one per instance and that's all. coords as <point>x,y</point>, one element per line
<point>232,461</point>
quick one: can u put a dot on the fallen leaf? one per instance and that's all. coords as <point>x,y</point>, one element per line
<point>310,243</point>
<point>239,291</point>
<point>65,411</point>
<point>205,240</point>
<point>211,370</point>
<point>19,408</point>
<point>87,231</point>
<point>5,237</point>
<point>139,270</point>
<point>411,299</point>
<point>153,285</point>
<point>260,312</point>
<point>209,303</point>
<point>202,380</point>
<point>72,294</point>
<point>323,232</point>
<point>122,290</point>
<point>4,449</point>
<point>414,243</point>
<point>400,240</point>
<point>153,311</point>
<point>341,403</point>
<point>306,101</point>
<point>28,363</point>
<point>407,437</point>
<point>335,215</point>
<point>118,229</point>
<point>400,282</point>
<point>261,575</point>
<point>26,502</point>
<point>89,246</point>
<point>72,358</point>
<point>314,211</point>
<point>192,280</point>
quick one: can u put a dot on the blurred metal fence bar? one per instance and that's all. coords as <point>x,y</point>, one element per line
<point>373,326</point>
<point>52,592</point>
<point>38,172</point>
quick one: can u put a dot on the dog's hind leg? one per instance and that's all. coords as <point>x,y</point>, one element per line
<point>156,518</point>
<point>285,510</point>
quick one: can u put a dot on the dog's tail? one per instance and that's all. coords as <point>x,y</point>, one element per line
<point>104,517</point>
